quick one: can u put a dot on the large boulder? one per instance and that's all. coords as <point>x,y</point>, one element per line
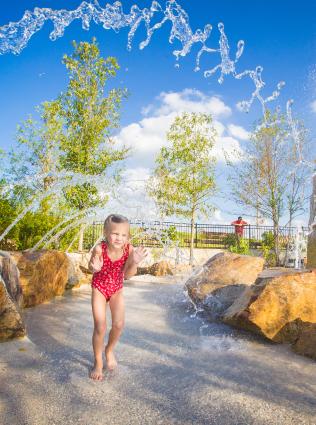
<point>277,306</point>
<point>11,322</point>
<point>43,275</point>
<point>221,280</point>
<point>221,270</point>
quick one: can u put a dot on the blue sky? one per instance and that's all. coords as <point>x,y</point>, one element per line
<point>280,36</point>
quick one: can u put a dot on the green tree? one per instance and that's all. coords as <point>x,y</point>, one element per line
<point>73,135</point>
<point>35,153</point>
<point>183,179</point>
<point>89,117</point>
<point>26,172</point>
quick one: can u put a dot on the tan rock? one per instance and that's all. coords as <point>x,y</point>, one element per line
<point>306,342</point>
<point>223,269</point>
<point>276,302</point>
<point>43,275</point>
<point>311,249</point>
<point>11,276</point>
<point>182,269</point>
<point>11,323</point>
<point>162,268</point>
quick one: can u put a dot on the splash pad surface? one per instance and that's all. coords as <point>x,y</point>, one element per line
<point>172,369</point>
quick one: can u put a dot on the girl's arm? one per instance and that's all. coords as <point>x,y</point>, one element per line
<point>96,261</point>
<point>135,257</point>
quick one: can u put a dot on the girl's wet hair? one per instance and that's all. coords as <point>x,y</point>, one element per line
<point>114,218</point>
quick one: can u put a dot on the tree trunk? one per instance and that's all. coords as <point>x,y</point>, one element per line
<point>192,238</point>
<point>288,242</point>
<point>276,242</point>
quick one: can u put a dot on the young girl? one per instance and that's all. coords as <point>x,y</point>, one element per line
<point>111,262</point>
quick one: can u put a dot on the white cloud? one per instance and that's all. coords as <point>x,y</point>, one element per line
<point>238,132</point>
<point>147,136</point>
<point>130,197</point>
<point>219,127</point>
<point>229,145</point>
<point>191,100</point>
<point>313,106</point>
<point>218,218</point>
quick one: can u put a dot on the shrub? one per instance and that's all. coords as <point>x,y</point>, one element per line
<point>169,234</point>
<point>268,245</point>
<point>237,246</point>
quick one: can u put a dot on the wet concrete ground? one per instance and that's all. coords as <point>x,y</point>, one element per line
<point>173,369</point>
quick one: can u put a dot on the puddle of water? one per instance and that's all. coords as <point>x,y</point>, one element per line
<point>221,343</point>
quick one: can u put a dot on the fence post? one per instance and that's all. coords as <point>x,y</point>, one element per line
<point>196,234</point>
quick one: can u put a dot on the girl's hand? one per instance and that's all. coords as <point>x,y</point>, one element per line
<point>96,261</point>
<point>139,254</point>
<point>96,264</point>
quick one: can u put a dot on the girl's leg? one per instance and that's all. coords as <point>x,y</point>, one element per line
<point>118,314</point>
<point>98,302</point>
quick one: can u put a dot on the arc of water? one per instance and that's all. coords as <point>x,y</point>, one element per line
<point>137,16</point>
<point>70,226</point>
<point>227,66</point>
<point>48,234</point>
<point>74,239</point>
<point>256,77</point>
<point>15,36</point>
<point>25,211</point>
<point>66,179</point>
<point>165,241</point>
<point>294,130</point>
<point>180,28</point>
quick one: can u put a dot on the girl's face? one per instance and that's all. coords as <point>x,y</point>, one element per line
<point>117,234</point>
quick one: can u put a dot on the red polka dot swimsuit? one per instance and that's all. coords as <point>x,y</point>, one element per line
<point>110,278</point>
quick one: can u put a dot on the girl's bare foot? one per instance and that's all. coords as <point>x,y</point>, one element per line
<point>111,362</point>
<point>96,373</point>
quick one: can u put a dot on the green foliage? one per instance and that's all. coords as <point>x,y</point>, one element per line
<point>8,214</point>
<point>89,116</point>
<point>183,179</point>
<point>268,239</point>
<point>34,153</point>
<point>31,228</point>
<point>169,235</point>
<point>73,134</point>
<point>268,248</point>
<point>237,245</point>
<point>230,240</point>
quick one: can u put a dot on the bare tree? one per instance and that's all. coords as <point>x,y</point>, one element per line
<point>267,176</point>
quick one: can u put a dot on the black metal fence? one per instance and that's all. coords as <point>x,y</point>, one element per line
<point>155,234</point>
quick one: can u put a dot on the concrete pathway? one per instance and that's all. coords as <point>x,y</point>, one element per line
<point>173,369</point>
